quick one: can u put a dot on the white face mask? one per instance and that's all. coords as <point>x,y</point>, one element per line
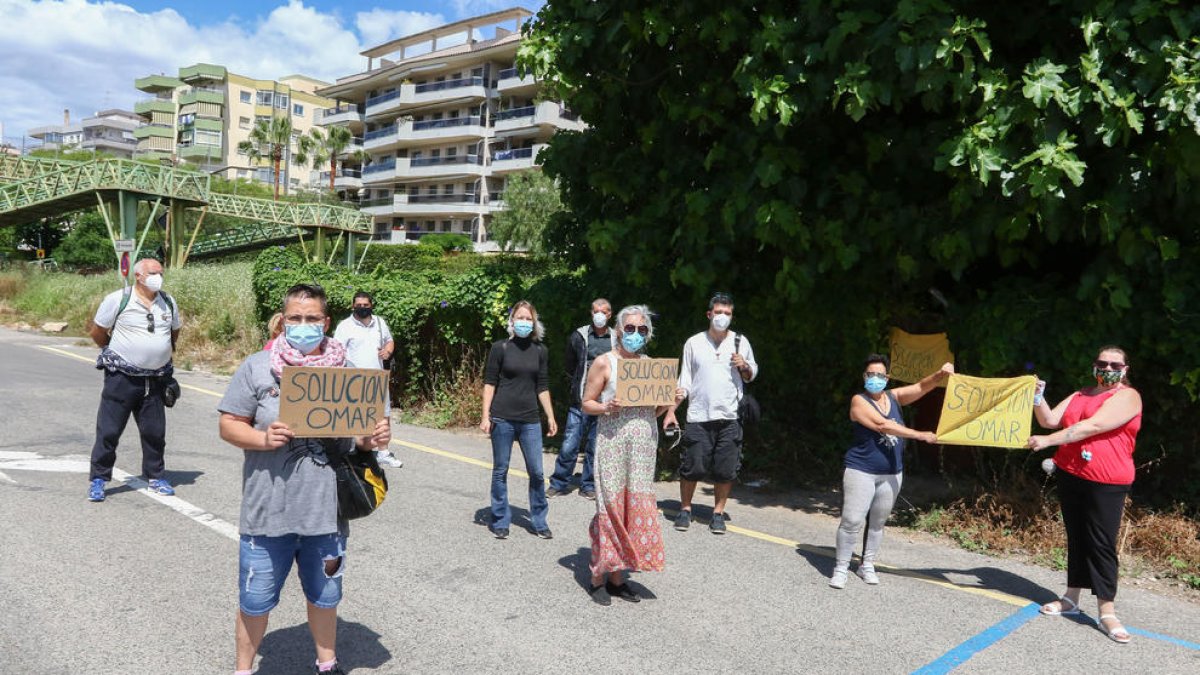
<point>721,321</point>
<point>599,319</point>
<point>154,282</point>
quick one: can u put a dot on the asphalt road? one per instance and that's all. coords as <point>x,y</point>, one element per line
<point>142,584</point>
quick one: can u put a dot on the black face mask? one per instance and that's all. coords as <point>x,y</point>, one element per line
<point>362,312</point>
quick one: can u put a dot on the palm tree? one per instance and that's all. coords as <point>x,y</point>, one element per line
<point>318,147</point>
<point>269,140</point>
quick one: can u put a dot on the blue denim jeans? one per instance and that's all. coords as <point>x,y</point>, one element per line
<point>529,435</point>
<point>581,430</point>
<point>264,564</point>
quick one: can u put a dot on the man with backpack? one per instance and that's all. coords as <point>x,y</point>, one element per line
<point>584,345</point>
<point>369,344</point>
<point>716,365</point>
<point>136,329</point>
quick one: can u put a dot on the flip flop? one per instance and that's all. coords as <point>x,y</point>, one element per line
<point>1063,610</point>
<point>1118,635</point>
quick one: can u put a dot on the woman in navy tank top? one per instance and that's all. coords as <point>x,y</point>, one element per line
<point>875,463</point>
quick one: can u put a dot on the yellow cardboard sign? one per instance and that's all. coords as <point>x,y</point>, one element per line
<point>993,412</point>
<point>916,356</point>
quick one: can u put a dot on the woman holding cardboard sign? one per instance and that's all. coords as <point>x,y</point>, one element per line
<point>515,381</point>
<point>289,490</point>
<point>875,463</point>
<point>625,531</point>
<point>1098,427</point>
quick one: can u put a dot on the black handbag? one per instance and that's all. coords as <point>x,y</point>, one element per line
<point>387,363</point>
<point>749,412</point>
<point>361,484</point>
<point>171,391</point>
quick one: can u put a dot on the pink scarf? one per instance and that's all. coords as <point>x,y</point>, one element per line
<point>331,354</point>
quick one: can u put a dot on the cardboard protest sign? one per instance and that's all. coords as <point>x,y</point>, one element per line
<point>915,356</point>
<point>994,412</point>
<point>332,402</point>
<point>646,382</point>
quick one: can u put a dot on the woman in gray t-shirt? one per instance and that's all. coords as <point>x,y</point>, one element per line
<point>289,491</point>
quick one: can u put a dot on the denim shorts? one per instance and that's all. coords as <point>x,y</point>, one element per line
<point>265,562</point>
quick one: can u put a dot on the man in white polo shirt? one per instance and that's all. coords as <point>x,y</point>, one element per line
<point>136,330</point>
<point>368,343</point>
<point>716,364</point>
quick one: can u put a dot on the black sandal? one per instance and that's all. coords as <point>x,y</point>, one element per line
<point>623,592</point>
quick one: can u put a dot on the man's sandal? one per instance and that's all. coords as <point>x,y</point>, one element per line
<point>1062,609</point>
<point>1118,634</point>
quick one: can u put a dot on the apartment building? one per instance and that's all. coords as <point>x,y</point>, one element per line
<point>204,112</point>
<point>443,117</point>
<point>65,136</point>
<point>111,132</point>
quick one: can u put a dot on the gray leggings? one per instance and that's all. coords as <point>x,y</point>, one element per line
<point>862,494</point>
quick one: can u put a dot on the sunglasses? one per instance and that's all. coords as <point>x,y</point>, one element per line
<point>150,322</point>
<point>868,375</point>
<point>1115,365</point>
<point>631,329</point>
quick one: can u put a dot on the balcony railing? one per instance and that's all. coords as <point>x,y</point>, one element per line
<point>463,198</point>
<point>449,84</point>
<point>517,153</point>
<point>378,201</point>
<point>383,98</point>
<point>442,161</point>
<point>506,73</point>
<point>347,108</point>
<point>514,113</point>
<point>380,167</point>
<point>380,133</point>
<point>342,173</point>
<point>445,123</point>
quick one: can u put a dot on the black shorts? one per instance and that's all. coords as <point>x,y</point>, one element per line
<point>712,450</point>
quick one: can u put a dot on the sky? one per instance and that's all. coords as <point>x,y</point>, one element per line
<point>83,55</point>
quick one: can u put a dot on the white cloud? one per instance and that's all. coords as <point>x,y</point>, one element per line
<point>83,56</point>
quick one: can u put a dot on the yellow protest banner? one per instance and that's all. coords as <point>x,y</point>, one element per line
<point>994,412</point>
<point>915,356</point>
<point>318,402</point>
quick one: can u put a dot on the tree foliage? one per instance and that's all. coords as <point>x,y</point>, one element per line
<point>845,166</point>
<point>269,140</point>
<point>531,202</point>
<point>87,246</point>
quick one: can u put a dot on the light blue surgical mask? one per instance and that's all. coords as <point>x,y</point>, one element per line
<point>523,328</point>
<point>304,337</point>
<point>875,384</point>
<point>633,341</point>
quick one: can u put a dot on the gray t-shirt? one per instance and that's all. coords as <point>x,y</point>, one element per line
<point>289,490</point>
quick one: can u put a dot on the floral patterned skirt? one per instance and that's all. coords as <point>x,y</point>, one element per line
<point>626,531</point>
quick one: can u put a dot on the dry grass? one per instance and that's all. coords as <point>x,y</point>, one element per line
<point>1025,520</point>
<point>456,403</point>
<point>12,283</point>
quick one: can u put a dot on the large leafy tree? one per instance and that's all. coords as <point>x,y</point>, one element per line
<point>320,146</point>
<point>531,202</point>
<point>1021,174</point>
<point>269,140</point>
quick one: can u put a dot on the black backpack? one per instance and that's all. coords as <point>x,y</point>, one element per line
<point>749,412</point>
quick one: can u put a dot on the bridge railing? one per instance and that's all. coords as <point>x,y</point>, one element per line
<point>290,213</point>
<point>108,174</point>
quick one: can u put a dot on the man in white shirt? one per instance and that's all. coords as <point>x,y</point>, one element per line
<point>368,343</point>
<point>716,364</point>
<point>136,330</point>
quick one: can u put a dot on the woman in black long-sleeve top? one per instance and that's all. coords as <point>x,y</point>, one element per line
<point>515,381</point>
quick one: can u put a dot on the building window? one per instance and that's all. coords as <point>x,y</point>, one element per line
<point>185,120</point>
<point>208,138</point>
<point>243,122</point>
<point>244,96</point>
<point>297,110</point>
<point>264,97</point>
<point>445,226</point>
<point>262,119</point>
<point>281,101</point>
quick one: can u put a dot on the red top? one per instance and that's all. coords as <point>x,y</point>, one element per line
<point>1112,451</point>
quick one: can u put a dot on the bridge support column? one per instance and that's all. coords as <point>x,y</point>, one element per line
<point>350,251</point>
<point>176,234</point>
<point>319,245</point>
<point>127,210</point>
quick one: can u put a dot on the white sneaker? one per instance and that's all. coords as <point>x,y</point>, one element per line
<point>386,458</point>
<point>867,574</point>
<point>838,579</point>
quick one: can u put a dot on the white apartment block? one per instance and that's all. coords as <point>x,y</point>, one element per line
<point>111,132</point>
<point>443,118</point>
<point>65,136</point>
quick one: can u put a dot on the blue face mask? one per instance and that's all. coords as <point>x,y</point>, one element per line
<point>633,341</point>
<point>305,337</point>
<point>523,328</point>
<point>875,384</point>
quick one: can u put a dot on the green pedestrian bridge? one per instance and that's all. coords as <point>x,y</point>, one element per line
<point>32,188</point>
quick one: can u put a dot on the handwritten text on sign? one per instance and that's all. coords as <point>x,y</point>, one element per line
<point>915,356</point>
<point>332,402</point>
<point>995,412</point>
<point>645,382</point>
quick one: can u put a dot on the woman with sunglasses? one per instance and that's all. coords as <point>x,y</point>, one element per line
<point>1097,429</point>
<point>515,381</point>
<point>625,532</point>
<point>875,463</point>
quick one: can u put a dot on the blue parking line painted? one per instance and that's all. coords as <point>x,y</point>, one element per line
<point>963,652</point>
<point>1164,638</point>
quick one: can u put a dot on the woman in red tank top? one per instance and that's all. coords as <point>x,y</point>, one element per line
<point>1097,429</point>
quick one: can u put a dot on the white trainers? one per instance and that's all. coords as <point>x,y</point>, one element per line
<point>838,579</point>
<point>867,574</point>
<point>386,458</point>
